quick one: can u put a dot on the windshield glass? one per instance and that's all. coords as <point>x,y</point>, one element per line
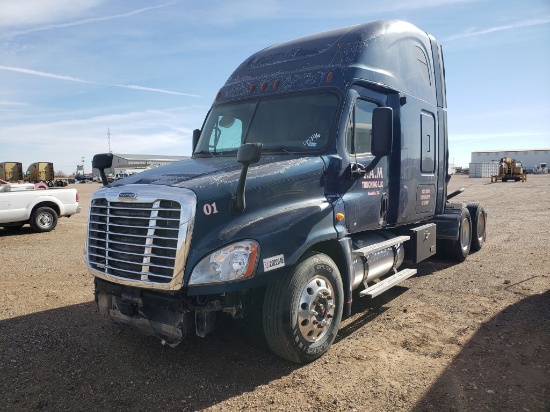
<point>295,123</point>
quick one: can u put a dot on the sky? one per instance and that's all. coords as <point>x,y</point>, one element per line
<point>147,71</point>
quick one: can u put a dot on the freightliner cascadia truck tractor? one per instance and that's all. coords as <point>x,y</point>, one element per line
<point>321,168</point>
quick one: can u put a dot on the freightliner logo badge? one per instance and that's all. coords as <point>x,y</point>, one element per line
<point>127,195</point>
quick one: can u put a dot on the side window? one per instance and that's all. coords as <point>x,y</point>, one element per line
<point>428,142</point>
<point>358,137</point>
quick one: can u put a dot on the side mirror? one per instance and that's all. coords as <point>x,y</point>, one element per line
<point>103,161</point>
<point>248,154</point>
<point>196,137</point>
<point>382,131</point>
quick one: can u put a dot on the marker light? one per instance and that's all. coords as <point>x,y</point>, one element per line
<point>276,84</point>
<point>329,77</point>
<point>339,216</point>
<point>263,86</point>
<point>251,88</point>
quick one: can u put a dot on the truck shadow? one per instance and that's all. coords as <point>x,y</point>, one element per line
<point>88,357</point>
<point>433,265</point>
<point>25,230</point>
<point>365,310</point>
<point>501,366</point>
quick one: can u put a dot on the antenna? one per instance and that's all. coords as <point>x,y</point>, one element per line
<point>109,138</point>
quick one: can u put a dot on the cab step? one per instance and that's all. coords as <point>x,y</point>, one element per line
<point>387,283</point>
<point>377,247</point>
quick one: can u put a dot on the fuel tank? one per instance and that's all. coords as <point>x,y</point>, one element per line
<point>376,265</point>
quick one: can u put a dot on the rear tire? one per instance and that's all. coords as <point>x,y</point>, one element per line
<point>479,225</point>
<point>303,309</point>
<point>43,219</point>
<point>459,249</point>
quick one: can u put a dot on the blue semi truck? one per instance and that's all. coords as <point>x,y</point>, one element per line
<point>320,169</point>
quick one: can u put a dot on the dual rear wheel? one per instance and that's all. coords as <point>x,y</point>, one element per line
<point>472,232</point>
<point>302,310</point>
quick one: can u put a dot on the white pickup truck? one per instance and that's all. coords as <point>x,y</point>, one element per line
<point>22,203</point>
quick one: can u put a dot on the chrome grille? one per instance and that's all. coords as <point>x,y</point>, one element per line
<point>142,241</point>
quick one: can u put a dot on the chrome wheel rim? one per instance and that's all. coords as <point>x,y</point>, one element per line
<point>316,309</point>
<point>44,220</point>
<point>465,234</point>
<point>481,227</point>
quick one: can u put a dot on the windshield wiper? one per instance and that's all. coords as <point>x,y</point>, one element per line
<point>204,152</point>
<point>284,149</point>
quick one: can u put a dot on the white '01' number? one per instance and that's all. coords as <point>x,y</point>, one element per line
<point>209,209</point>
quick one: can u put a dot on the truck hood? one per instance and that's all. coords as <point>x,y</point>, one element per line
<point>217,177</point>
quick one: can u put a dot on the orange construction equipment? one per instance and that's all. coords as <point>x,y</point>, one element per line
<point>509,169</point>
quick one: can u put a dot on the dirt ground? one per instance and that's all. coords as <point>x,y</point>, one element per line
<point>456,337</point>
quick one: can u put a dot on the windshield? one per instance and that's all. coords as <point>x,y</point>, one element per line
<point>295,123</point>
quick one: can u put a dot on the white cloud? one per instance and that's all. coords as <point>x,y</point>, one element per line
<point>243,10</point>
<point>151,89</point>
<point>5,103</point>
<point>21,13</point>
<point>89,20</point>
<point>512,26</point>
<point>43,74</point>
<point>77,80</point>
<point>458,139</point>
<point>164,132</point>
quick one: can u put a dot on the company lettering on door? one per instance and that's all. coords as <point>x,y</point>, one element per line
<point>373,181</point>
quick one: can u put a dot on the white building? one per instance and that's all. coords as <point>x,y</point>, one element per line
<point>530,158</point>
<point>136,162</point>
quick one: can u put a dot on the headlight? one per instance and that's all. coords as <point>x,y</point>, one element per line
<point>233,262</point>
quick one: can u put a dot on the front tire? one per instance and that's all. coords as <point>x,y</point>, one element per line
<point>43,219</point>
<point>303,309</point>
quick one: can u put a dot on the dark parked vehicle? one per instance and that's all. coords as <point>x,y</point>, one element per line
<point>320,169</point>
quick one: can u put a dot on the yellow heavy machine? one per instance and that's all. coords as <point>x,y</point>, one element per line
<point>509,169</point>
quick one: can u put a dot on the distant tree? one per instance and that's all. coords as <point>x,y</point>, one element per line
<point>60,174</point>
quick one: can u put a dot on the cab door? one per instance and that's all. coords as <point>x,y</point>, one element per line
<point>366,198</point>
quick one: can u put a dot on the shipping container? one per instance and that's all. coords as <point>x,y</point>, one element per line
<point>485,169</point>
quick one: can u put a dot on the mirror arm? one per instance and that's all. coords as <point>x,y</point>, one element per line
<point>248,153</point>
<point>238,203</point>
<point>103,177</point>
<point>372,164</point>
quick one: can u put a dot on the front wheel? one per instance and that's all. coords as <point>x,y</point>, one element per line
<point>43,219</point>
<point>303,309</point>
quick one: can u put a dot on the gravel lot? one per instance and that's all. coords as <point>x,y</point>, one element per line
<point>466,337</point>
